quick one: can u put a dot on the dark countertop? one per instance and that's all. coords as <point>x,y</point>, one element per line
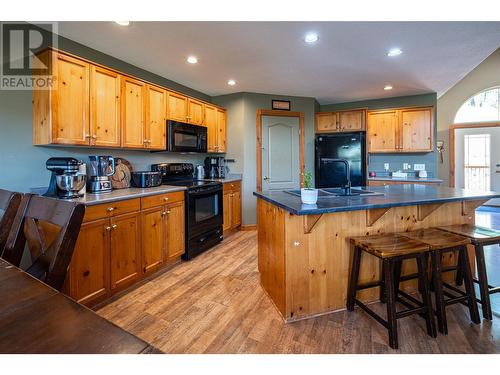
<point>410,179</point>
<point>394,196</point>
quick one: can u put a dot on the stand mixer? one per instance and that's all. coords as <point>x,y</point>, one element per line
<point>66,181</point>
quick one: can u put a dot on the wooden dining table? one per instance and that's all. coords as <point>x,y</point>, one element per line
<point>35,318</point>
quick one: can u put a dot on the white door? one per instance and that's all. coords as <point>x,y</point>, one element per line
<point>280,153</point>
<point>477,159</point>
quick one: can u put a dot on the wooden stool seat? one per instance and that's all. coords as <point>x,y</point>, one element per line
<point>392,250</point>
<point>477,234</point>
<point>438,239</point>
<point>480,237</point>
<point>389,245</point>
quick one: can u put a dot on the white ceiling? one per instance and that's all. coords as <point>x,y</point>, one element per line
<point>348,62</point>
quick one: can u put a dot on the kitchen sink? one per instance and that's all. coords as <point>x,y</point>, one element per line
<point>337,192</point>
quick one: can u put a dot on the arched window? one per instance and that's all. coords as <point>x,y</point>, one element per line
<point>482,107</point>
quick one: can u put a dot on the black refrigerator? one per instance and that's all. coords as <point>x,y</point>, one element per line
<point>348,146</point>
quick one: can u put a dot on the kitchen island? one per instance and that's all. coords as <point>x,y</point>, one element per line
<point>304,251</point>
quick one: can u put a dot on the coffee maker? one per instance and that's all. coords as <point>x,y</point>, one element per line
<point>101,168</point>
<point>66,180</point>
<point>215,167</point>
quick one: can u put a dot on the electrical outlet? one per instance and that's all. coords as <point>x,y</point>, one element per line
<point>386,166</point>
<point>419,167</point>
<point>406,166</point>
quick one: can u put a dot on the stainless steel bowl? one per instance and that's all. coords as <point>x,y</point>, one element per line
<point>71,183</point>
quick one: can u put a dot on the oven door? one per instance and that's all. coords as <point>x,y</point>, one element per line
<point>204,210</point>
<point>186,138</point>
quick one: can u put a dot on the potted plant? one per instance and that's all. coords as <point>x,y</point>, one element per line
<point>308,194</point>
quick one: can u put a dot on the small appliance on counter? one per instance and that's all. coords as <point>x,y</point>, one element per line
<point>203,206</point>
<point>215,167</point>
<point>101,168</point>
<point>422,174</point>
<point>146,179</point>
<point>200,172</point>
<point>66,180</point>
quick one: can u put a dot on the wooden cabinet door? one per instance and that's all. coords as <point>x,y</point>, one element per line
<point>125,252</point>
<point>236,208</point>
<point>156,118</point>
<point>352,120</point>
<point>227,208</point>
<point>133,113</point>
<point>104,107</point>
<point>153,238</point>
<point>88,270</point>
<point>195,112</point>
<point>416,130</point>
<point>326,122</point>
<point>221,130</point>
<point>175,230</point>
<point>382,131</point>
<point>70,101</point>
<point>177,107</point>
<point>212,128</point>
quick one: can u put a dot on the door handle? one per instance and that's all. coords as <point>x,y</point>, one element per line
<point>266,178</point>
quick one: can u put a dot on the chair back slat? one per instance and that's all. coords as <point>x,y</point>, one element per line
<point>49,261</point>
<point>9,204</point>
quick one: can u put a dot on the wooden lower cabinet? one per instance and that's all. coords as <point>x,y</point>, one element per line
<point>231,205</point>
<point>119,243</point>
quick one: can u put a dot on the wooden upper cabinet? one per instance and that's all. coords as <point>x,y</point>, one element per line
<point>382,131</point>
<point>105,111</point>
<point>156,118</point>
<point>326,122</point>
<point>196,113</point>
<point>416,130</point>
<point>212,130</point>
<point>70,101</point>
<point>125,252</point>
<point>175,230</point>
<point>351,120</point>
<point>133,113</point>
<point>221,130</point>
<point>177,107</point>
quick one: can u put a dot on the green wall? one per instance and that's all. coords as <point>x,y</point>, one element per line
<point>376,161</point>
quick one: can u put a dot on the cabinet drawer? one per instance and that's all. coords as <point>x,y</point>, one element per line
<point>161,199</point>
<point>232,186</point>
<point>110,209</point>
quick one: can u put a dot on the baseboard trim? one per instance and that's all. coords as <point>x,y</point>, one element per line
<point>249,227</point>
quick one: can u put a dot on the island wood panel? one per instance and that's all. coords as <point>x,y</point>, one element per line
<point>317,264</point>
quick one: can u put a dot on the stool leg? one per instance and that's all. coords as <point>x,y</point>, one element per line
<point>483,282</point>
<point>392,325</point>
<point>353,279</point>
<point>426,295</point>
<point>469,285</point>
<point>382,283</point>
<point>397,275</point>
<point>438,292</point>
<point>459,278</point>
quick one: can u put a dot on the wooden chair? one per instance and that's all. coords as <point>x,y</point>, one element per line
<point>392,249</point>
<point>441,242</point>
<point>9,204</point>
<point>480,237</point>
<point>38,220</point>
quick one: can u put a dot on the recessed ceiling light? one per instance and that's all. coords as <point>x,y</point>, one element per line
<point>311,38</point>
<point>388,87</point>
<point>123,23</point>
<point>394,52</point>
<point>231,82</point>
<point>192,59</point>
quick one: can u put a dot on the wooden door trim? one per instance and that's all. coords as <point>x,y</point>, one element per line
<point>271,112</point>
<point>452,142</point>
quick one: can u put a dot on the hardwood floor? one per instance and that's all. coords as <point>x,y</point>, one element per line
<point>215,304</point>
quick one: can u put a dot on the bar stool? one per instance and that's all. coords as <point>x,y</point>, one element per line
<point>480,237</point>
<point>441,242</point>
<point>392,249</point>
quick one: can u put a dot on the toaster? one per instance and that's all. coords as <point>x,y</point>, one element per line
<point>146,179</point>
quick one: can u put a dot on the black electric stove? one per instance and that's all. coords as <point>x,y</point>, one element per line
<point>203,206</point>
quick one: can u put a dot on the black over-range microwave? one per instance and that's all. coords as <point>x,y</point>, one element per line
<point>182,137</point>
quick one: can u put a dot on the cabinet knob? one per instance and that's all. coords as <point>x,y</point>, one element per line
<point>87,135</point>
<point>111,209</point>
<point>108,228</point>
<point>94,137</point>
<point>168,211</point>
<point>114,226</point>
<point>165,199</point>
<point>163,213</point>
<point>296,243</point>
